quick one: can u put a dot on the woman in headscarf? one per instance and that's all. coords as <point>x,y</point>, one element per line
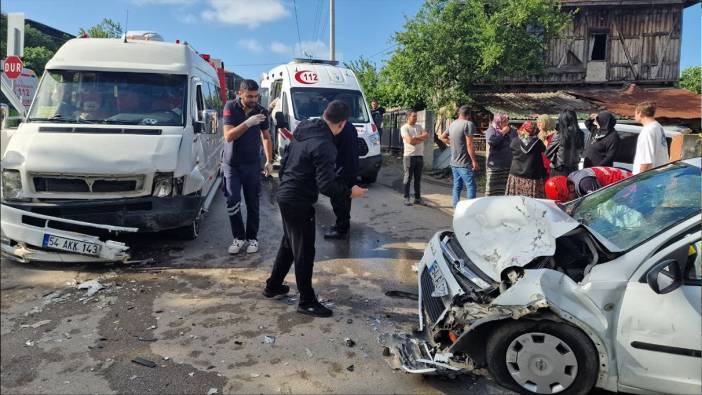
<point>564,150</point>
<point>604,140</point>
<point>547,129</point>
<point>527,173</point>
<point>498,136</point>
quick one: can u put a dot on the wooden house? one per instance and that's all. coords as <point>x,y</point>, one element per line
<point>614,42</point>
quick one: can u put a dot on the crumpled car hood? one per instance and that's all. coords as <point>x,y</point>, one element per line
<point>505,231</point>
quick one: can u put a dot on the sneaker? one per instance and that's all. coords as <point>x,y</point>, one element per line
<point>236,246</point>
<point>335,234</point>
<point>253,247</point>
<point>419,201</point>
<point>314,309</point>
<point>408,202</point>
<point>278,291</point>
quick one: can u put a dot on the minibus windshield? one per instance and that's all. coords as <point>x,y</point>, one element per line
<point>79,96</point>
<point>311,102</point>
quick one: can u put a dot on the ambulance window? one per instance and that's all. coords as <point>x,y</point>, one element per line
<point>276,88</point>
<point>200,103</point>
<point>285,104</point>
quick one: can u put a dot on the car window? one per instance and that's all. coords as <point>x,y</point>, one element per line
<point>693,268</point>
<point>636,209</point>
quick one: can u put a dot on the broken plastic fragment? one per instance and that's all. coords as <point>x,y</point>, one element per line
<point>92,286</point>
<point>212,391</point>
<point>269,340</point>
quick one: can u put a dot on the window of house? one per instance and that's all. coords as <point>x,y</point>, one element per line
<point>598,46</point>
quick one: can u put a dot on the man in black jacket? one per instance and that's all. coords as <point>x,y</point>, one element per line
<point>346,144</point>
<point>307,169</point>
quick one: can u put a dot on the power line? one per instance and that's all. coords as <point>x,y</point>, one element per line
<point>317,18</point>
<point>384,51</point>
<point>320,27</point>
<point>297,24</point>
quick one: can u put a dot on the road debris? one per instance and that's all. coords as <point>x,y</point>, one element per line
<point>255,375</point>
<point>144,362</point>
<point>36,324</point>
<point>147,339</point>
<point>238,343</point>
<point>309,353</point>
<point>350,368</point>
<point>212,391</point>
<point>349,321</point>
<point>29,343</point>
<point>349,342</point>
<point>92,286</point>
<point>269,340</point>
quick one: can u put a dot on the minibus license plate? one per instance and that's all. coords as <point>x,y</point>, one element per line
<point>70,245</point>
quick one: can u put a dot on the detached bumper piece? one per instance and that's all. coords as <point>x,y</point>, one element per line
<point>416,356</point>
<point>25,236</point>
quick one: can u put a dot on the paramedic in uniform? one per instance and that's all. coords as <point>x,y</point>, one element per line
<point>245,128</point>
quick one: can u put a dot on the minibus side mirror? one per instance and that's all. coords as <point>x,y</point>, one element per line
<point>209,122</point>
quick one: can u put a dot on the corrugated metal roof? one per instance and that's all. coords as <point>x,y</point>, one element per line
<point>674,103</point>
<point>531,104</point>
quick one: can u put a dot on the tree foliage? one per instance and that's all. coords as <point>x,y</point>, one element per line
<point>450,45</point>
<point>105,29</point>
<point>691,79</point>
<point>35,58</point>
<point>369,77</point>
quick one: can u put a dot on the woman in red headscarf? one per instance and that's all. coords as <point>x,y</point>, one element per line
<point>527,173</point>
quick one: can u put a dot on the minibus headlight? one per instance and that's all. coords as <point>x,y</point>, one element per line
<point>163,185</point>
<point>11,184</point>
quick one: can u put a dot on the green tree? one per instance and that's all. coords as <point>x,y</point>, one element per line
<point>691,79</point>
<point>373,83</point>
<point>35,58</point>
<point>105,29</point>
<point>450,45</point>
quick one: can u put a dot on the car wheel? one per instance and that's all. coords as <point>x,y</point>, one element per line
<point>369,179</point>
<point>542,357</point>
<point>190,232</point>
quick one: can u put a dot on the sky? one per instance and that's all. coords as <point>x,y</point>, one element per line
<point>253,36</point>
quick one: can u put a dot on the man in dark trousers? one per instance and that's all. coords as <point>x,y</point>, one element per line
<point>347,169</point>
<point>307,168</point>
<point>377,113</point>
<point>245,128</point>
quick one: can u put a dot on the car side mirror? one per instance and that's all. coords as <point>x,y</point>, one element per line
<point>281,121</point>
<point>665,277</point>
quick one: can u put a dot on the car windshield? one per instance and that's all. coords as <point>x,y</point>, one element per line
<point>311,102</point>
<point>110,98</point>
<point>634,210</point>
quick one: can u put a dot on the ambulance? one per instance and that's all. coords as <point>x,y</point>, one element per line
<point>302,89</point>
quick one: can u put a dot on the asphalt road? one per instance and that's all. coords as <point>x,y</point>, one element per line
<point>197,313</point>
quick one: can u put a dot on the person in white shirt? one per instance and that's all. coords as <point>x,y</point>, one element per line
<point>413,138</point>
<point>651,146</point>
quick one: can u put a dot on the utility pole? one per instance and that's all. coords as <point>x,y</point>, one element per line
<point>332,44</point>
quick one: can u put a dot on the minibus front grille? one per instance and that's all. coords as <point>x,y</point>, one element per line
<point>78,184</point>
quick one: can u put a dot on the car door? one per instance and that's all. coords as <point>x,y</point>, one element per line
<point>658,334</point>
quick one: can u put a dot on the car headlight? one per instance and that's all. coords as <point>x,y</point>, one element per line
<point>11,184</point>
<point>163,185</point>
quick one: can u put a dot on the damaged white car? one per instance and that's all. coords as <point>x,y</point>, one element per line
<point>604,291</point>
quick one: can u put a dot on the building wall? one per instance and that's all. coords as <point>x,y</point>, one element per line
<point>642,45</point>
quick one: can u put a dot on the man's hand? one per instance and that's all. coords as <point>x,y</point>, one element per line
<point>268,169</point>
<point>254,120</point>
<point>476,167</point>
<point>357,192</point>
